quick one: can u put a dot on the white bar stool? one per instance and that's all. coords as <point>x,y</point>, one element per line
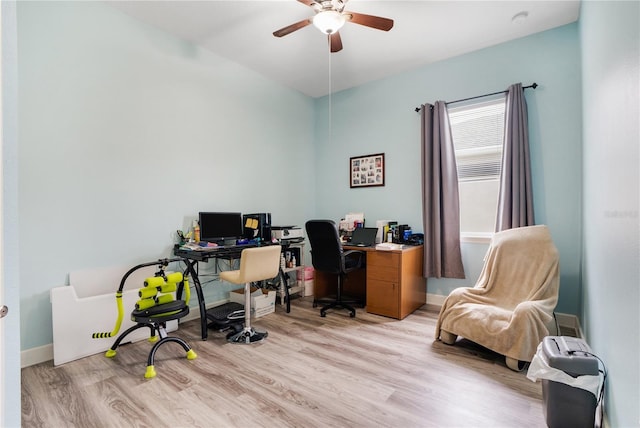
<point>256,264</point>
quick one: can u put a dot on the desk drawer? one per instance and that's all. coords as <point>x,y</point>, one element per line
<point>383,273</point>
<point>383,258</point>
<point>382,298</point>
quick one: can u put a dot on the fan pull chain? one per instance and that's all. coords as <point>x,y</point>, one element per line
<point>330,103</point>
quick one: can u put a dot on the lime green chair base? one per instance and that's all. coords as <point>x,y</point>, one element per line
<point>157,325</point>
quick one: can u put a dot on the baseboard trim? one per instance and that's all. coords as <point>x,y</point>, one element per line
<point>42,354</point>
<point>435,300</point>
<point>33,356</point>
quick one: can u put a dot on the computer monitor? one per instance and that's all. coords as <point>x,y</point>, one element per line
<point>257,226</point>
<point>220,226</point>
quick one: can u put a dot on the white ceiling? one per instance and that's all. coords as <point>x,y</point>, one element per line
<point>424,31</point>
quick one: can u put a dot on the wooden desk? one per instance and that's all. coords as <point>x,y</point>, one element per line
<point>391,284</point>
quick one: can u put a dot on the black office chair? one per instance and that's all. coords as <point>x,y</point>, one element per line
<point>328,256</point>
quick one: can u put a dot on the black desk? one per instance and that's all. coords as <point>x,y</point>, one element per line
<point>206,253</point>
<point>192,257</point>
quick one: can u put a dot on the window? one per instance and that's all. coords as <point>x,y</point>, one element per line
<point>478,131</point>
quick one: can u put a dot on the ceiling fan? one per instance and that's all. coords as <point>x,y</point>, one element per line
<point>330,17</point>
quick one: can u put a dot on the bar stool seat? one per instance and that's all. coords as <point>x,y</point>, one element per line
<point>256,264</point>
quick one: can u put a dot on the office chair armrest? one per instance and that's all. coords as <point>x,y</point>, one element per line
<point>356,252</point>
<point>354,256</point>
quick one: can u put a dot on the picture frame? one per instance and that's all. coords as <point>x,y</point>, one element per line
<point>367,170</point>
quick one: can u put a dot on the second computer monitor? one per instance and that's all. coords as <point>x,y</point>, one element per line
<point>257,226</point>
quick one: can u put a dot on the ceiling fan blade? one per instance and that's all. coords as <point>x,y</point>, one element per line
<point>335,42</point>
<point>291,28</point>
<point>377,22</point>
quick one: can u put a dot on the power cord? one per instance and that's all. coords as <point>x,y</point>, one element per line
<point>555,318</point>
<point>603,371</point>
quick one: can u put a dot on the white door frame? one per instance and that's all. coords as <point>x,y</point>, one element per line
<point>2,332</point>
<point>10,379</point>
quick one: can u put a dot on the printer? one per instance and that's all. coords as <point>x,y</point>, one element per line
<point>291,233</point>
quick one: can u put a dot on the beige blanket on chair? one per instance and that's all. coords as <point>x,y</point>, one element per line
<point>512,303</point>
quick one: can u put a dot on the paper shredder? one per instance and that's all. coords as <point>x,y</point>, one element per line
<point>565,405</point>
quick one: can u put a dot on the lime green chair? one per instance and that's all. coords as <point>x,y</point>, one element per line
<point>157,306</point>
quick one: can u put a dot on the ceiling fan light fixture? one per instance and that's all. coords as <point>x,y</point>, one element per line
<point>329,21</point>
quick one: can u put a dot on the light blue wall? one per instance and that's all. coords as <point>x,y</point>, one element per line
<point>125,133</point>
<point>380,117</point>
<point>610,38</point>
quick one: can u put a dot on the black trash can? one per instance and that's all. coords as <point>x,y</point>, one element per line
<point>566,405</point>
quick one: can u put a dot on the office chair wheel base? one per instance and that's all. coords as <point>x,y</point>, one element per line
<point>448,338</point>
<point>323,314</point>
<point>247,336</point>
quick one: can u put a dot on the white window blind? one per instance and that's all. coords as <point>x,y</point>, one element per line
<point>478,131</point>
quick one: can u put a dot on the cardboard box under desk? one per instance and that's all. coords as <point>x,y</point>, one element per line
<point>263,302</point>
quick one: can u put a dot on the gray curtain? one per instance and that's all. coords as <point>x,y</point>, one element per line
<point>515,200</point>
<point>440,202</point>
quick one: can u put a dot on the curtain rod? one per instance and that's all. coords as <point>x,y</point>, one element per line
<point>533,85</point>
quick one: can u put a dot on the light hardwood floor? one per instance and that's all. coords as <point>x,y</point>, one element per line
<point>368,371</point>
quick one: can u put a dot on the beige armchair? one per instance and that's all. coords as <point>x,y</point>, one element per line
<point>510,309</point>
